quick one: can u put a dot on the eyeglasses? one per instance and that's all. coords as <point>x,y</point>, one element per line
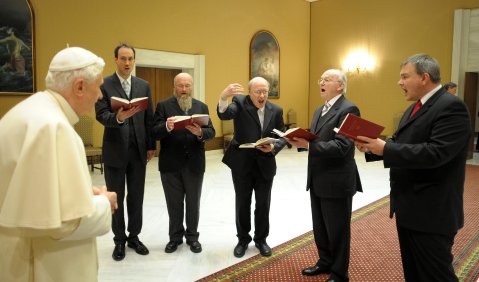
<point>326,80</point>
<point>261,91</point>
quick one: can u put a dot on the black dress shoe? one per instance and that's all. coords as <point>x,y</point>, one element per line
<point>316,270</point>
<point>240,249</point>
<point>195,246</point>
<point>172,246</point>
<point>264,249</point>
<point>119,252</point>
<point>139,248</point>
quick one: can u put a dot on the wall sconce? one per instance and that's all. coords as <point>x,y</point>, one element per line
<point>359,61</point>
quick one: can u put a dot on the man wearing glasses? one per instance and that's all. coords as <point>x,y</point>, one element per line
<point>333,178</point>
<point>254,118</point>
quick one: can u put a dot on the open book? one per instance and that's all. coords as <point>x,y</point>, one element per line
<point>117,102</point>
<point>296,132</point>
<point>354,126</point>
<point>260,142</point>
<point>182,121</point>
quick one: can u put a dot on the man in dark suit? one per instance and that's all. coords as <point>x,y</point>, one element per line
<point>182,161</point>
<point>252,169</point>
<point>426,156</point>
<point>128,145</point>
<point>333,178</point>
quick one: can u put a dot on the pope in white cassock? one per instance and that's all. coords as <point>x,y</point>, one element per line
<point>50,215</point>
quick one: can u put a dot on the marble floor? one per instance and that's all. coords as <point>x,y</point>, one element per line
<point>290,216</point>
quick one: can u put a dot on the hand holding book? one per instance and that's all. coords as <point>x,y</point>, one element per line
<point>261,142</point>
<point>354,126</point>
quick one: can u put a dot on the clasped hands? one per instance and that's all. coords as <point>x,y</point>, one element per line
<point>111,196</point>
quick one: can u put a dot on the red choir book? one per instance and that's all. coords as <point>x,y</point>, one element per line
<point>354,126</point>
<point>296,132</point>
<point>117,102</point>
<point>182,121</point>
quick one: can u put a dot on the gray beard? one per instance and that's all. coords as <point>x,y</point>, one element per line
<point>185,103</point>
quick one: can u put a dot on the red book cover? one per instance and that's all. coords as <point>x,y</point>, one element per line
<point>296,132</point>
<point>354,126</point>
<point>117,102</point>
<point>183,121</point>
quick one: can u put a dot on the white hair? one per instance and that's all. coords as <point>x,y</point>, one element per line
<point>59,81</point>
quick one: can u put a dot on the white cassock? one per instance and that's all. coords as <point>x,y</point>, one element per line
<point>49,217</point>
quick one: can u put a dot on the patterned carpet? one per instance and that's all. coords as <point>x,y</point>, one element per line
<point>374,248</point>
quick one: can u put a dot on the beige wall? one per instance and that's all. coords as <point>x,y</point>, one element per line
<point>392,30</point>
<point>220,30</point>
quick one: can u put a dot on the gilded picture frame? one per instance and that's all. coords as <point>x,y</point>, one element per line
<point>17,48</point>
<point>264,60</point>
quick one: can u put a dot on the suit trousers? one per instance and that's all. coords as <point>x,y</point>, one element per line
<point>332,232</point>
<point>426,256</point>
<point>244,187</point>
<point>135,171</point>
<point>183,187</point>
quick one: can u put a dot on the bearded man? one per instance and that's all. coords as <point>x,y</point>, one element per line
<point>182,161</point>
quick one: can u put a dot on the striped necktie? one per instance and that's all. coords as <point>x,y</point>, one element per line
<point>325,109</point>
<point>126,87</point>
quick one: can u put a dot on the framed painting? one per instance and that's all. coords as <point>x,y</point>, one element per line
<point>17,50</point>
<point>264,60</point>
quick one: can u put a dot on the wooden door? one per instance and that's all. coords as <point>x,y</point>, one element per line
<point>161,84</point>
<point>470,99</point>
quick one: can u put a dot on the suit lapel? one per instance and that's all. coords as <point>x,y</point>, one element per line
<point>118,88</point>
<point>268,114</point>
<point>252,111</point>
<point>406,121</point>
<point>322,120</point>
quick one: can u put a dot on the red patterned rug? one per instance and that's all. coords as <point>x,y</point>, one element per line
<point>374,248</point>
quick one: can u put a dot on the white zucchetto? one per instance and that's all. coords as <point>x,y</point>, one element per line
<point>72,58</point>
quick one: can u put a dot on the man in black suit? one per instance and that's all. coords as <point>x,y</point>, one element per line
<point>182,161</point>
<point>333,178</point>
<point>426,156</point>
<point>128,145</point>
<point>252,169</point>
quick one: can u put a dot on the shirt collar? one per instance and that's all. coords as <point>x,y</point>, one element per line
<point>429,94</point>
<point>122,79</point>
<point>333,100</point>
<point>67,109</point>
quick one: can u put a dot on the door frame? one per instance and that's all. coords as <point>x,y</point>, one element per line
<point>192,64</point>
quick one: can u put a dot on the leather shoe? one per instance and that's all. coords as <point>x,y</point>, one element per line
<point>118,252</point>
<point>172,246</point>
<point>138,246</point>
<point>195,246</point>
<point>240,249</point>
<point>264,249</point>
<point>316,270</point>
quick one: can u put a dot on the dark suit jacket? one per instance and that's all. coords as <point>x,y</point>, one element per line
<point>180,147</point>
<point>247,129</point>
<point>116,136</point>
<point>427,156</point>
<point>332,170</point>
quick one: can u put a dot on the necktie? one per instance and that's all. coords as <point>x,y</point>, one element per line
<point>416,108</point>
<point>126,87</point>
<point>325,109</point>
<point>261,117</point>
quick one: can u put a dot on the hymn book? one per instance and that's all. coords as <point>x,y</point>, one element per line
<point>354,126</point>
<point>260,142</point>
<point>297,132</point>
<point>183,121</point>
<point>117,102</point>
